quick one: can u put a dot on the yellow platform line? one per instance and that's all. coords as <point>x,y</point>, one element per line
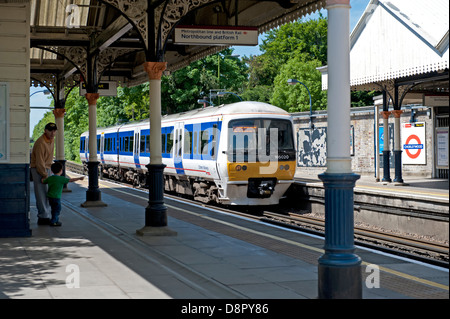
<point>408,191</point>
<point>291,242</point>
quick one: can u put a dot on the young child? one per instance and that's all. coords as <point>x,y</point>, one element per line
<point>56,183</point>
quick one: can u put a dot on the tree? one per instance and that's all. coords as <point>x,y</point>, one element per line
<point>307,39</point>
<point>295,98</point>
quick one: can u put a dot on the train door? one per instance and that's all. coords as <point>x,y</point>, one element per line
<point>178,149</point>
<point>102,148</point>
<point>86,148</point>
<point>136,149</point>
<point>117,147</point>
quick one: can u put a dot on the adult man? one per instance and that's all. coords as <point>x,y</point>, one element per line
<point>41,161</point>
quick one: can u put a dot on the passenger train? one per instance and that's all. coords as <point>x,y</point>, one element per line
<point>236,154</point>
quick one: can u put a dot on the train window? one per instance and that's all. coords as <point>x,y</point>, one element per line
<point>251,137</point>
<point>143,143</point>
<point>130,145</point>
<point>98,144</point>
<point>163,142</point>
<point>214,141</point>
<point>126,142</point>
<point>204,142</point>
<point>147,144</point>
<point>170,141</point>
<point>195,143</point>
<point>180,137</point>
<point>187,142</point>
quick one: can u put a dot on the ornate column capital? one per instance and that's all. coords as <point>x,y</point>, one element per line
<point>385,114</point>
<point>58,113</point>
<point>155,69</point>
<point>397,113</point>
<point>92,98</point>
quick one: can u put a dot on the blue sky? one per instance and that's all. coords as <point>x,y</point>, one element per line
<point>39,99</point>
<point>356,11</point>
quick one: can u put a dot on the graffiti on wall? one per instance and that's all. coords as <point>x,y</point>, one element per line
<point>312,147</point>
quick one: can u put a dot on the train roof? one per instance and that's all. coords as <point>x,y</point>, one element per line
<point>244,107</point>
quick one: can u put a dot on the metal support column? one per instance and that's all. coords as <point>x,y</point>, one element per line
<point>339,268</point>
<point>156,211</point>
<point>93,194</point>
<point>386,149</point>
<point>59,113</point>
<point>397,147</point>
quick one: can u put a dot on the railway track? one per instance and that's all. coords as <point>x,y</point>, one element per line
<point>426,251</point>
<point>415,248</point>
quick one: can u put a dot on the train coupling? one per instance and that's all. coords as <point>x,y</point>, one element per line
<point>261,187</point>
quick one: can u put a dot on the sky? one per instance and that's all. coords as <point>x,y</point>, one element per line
<point>41,100</point>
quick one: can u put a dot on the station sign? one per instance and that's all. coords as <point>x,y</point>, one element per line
<point>442,147</point>
<point>213,35</point>
<point>414,143</point>
<point>105,88</point>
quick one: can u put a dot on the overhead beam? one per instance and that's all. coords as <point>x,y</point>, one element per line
<point>111,34</point>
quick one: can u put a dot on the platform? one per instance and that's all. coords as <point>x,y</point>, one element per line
<point>97,254</point>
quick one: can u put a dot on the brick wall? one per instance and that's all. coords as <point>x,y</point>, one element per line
<point>363,158</point>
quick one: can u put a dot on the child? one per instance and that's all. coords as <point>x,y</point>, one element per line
<point>55,186</point>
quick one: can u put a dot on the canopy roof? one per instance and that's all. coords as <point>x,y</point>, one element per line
<point>397,39</point>
<point>400,42</point>
<point>64,36</point>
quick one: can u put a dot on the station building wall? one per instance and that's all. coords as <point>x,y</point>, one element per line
<point>311,143</point>
<point>15,111</point>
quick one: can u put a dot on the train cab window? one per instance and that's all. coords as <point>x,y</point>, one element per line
<point>257,137</point>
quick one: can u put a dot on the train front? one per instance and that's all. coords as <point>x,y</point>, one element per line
<point>260,158</point>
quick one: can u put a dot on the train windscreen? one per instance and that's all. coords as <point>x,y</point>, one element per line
<point>252,140</point>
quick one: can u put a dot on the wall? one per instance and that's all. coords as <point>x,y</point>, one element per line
<point>311,163</point>
<point>15,72</point>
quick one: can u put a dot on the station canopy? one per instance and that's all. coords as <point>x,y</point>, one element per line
<point>67,35</point>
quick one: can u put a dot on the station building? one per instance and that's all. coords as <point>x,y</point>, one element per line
<point>400,49</point>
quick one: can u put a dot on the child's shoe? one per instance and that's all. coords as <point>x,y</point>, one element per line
<point>56,224</point>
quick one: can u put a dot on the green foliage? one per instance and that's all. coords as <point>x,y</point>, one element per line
<point>295,98</point>
<point>181,90</point>
<point>76,121</point>
<point>363,98</point>
<point>307,40</point>
<point>259,93</point>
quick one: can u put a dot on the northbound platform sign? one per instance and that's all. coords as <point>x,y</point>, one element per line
<point>213,35</point>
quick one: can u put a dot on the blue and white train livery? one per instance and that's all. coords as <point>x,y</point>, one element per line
<point>235,154</point>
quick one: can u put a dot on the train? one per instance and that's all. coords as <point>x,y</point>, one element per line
<point>235,154</point>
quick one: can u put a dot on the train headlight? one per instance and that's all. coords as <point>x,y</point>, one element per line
<point>244,167</point>
<point>286,167</point>
<point>281,167</point>
<point>238,168</point>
